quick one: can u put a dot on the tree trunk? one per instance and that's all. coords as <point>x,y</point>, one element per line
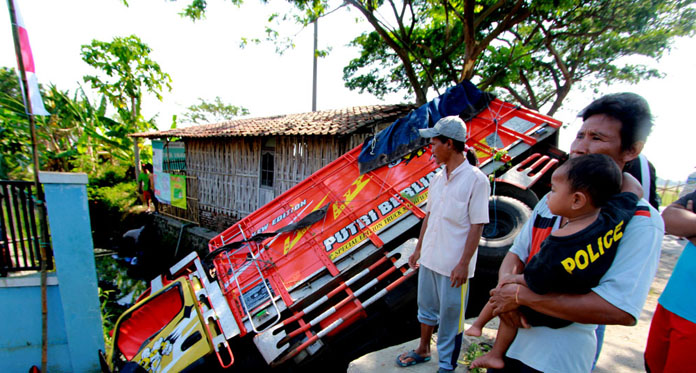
<point>468,68</point>
<point>560,96</point>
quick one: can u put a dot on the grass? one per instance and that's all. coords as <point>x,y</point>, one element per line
<point>475,350</point>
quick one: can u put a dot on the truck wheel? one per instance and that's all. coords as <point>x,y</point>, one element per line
<point>525,196</point>
<point>507,216</point>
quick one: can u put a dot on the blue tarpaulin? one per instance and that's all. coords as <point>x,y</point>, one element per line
<point>401,137</point>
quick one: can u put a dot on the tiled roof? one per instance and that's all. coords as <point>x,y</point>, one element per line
<point>327,122</point>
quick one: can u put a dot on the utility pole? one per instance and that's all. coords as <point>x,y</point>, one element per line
<point>314,71</point>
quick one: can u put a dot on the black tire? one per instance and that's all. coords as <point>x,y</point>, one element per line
<point>526,196</point>
<point>507,217</point>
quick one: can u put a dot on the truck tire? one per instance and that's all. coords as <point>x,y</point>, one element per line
<point>526,196</point>
<point>507,217</point>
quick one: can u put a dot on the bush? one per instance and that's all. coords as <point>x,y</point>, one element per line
<point>112,195</point>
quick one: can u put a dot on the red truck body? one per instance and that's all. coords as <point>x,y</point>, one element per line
<point>310,263</point>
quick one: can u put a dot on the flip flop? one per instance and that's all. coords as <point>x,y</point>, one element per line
<point>415,359</point>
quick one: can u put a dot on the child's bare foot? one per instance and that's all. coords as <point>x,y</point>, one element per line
<point>488,361</point>
<point>473,331</point>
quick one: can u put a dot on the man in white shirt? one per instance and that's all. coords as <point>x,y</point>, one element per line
<point>446,252</point>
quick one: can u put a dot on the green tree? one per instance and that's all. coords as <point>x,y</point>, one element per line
<point>212,112</point>
<point>584,47</point>
<point>76,136</point>
<point>15,154</point>
<point>79,135</point>
<point>9,83</point>
<point>127,73</point>
<point>532,51</point>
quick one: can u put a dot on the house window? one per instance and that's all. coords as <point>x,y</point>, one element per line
<point>267,168</point>
<point>267,162</point>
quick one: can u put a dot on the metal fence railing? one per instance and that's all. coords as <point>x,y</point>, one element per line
<point>20,232</point>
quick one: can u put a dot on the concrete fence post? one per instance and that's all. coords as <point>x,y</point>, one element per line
<point>73,250</point>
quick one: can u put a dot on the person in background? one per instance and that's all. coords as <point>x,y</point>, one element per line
<point>153,196</point>
<point>690,185</point>
<point>457,209</point>
<point>672,337</point>
<point>145,184</point>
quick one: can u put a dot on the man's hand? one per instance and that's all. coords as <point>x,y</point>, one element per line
<point>459,275</point>
<point>413,259</point>
<point>503,298</point>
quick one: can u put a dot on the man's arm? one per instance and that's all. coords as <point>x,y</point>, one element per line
<point>460,273</point>
<point>680,220</point>
<point>621,293</point>
<point>511,265</point>
<point>587,308</point>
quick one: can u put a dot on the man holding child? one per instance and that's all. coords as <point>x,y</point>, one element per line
<point>616,125</point>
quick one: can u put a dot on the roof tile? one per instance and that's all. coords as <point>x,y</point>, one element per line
<point>326,122</point>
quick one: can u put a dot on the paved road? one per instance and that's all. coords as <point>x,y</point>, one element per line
<point>623,346</point>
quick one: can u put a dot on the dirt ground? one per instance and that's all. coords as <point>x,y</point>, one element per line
<point>623,346</point>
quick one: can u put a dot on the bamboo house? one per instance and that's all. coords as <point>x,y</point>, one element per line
<point>232,168</point>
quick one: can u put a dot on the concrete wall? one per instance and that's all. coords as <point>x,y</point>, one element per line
<point>74,318</point>
<point>194,238</point>
<point>20,325</point>
<point>217,221</point>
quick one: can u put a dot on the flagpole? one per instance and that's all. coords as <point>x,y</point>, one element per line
<point>37,184</point>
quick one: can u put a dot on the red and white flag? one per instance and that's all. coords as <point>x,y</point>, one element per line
<point>33,84</point>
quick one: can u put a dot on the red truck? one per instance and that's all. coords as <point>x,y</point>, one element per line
<point>287,283</point>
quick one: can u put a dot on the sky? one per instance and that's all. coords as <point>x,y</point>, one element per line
<point>205,60</point>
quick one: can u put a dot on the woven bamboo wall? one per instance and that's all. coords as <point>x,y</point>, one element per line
<point>297,157</point>
<point>227,170</point>
<point>356,139</point>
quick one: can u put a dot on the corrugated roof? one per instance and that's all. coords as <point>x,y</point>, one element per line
<point>327,122</point>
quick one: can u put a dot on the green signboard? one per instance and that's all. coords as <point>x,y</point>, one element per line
<point>177,185</point>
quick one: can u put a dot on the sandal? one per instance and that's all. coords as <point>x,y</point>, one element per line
<point>415,359</point>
